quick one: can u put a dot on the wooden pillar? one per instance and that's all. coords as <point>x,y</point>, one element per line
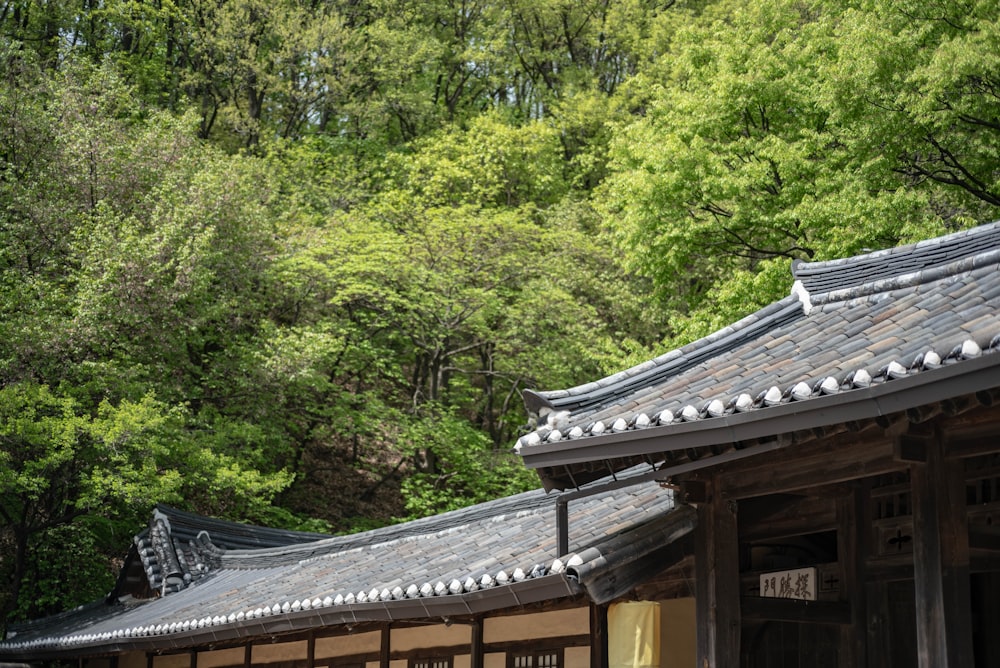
<point>248,655</point>
<point>880,649</point>
<point>477,660</point>
<point>717,582</point>
<point>311,650</point>
<point>941,561</point>
<point>598,636</point>
<point>854,524</point>
<point>383,654</point>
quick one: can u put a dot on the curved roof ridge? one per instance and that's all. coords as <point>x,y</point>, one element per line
<point>530,501</point>
<point>670,363</point>
<point>902,266</point>
<point>230,535</point>
<point>914,278</point>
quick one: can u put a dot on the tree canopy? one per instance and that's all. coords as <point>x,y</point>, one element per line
<point>293,262</point>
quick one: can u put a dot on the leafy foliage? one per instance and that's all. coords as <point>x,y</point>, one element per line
<point>57,464</point>
<point>785,130</point>
<point>253,252</point>
<point>58,551</point>
<point>466,469</point>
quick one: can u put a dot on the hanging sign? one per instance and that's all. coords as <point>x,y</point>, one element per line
<point>799,583</point>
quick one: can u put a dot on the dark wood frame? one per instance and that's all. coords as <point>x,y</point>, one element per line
<point>534,653</point>
<point>429,660</point>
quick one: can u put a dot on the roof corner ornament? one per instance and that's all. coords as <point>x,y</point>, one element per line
<point>535,402</point>
<point>166,575</point>
<point>799,290</point>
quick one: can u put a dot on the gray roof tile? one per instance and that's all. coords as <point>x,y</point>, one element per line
<point>446,555</point>
<point>844,316</point>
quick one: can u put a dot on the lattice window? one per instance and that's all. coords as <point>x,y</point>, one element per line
<point>543,658</point>
<point>432,662</point>
<point>983,480</point>
<point>983,491</point>
<point>891,496</point>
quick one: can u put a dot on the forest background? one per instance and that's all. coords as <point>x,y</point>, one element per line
<point>291,262</point>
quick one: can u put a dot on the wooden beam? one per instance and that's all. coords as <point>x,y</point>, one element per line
<point>560,642</point>
<point>890,570</point>
<point>676,581</point>
<point>361,658</point>
<point>834,460</point>
<point>987,541</point>
<point>781,516</point>
<point>791,610</point>
<point>977,425</point>
<point>973,447</point>
<point>465,649</point>
<point>941,561</point>
<point>880,639</point>
<point>717,582</point>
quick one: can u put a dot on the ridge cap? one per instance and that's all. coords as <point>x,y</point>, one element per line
<point>531,500</point>
<point>923,246</point>
<point>904,265</point>
<point>910,279</point>
<point>758,319</point>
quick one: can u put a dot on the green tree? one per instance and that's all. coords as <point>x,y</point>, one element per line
<point>131,285</point>
<point>58,463</point>
<point>467,469</point>
<point>464,274</point>
<point>492,164</point>
<point>917,83</point>
<point>765,139</point>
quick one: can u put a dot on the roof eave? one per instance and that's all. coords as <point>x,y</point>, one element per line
<point>892,396</point>
<point>549,587</point>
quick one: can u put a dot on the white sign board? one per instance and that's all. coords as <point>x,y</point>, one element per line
<point>799,584</point>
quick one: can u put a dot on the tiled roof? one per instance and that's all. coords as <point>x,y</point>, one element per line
<point>848,326</point>
<point>489,556</point>
<point>180,547</point>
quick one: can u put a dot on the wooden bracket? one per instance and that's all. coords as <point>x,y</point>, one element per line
<point>693,491</point>
<point>910,448</point>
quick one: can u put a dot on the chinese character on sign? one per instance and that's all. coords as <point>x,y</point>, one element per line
<point>801,589</point>
<point>798,584</point>
<point>786,586</point>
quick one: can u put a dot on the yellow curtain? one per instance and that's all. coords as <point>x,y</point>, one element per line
<point>634,635</point>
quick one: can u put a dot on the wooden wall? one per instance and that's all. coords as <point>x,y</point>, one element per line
<point>565,629</point>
